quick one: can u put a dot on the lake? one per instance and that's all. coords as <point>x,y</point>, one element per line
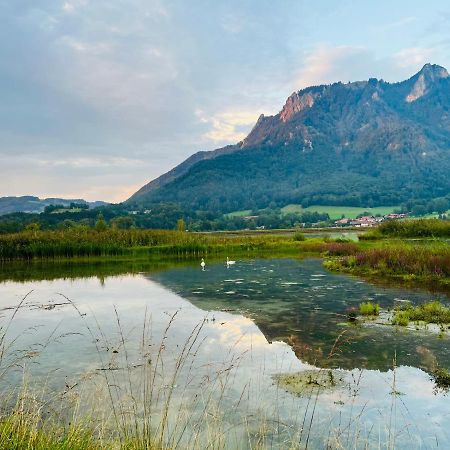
<point>211,350</point>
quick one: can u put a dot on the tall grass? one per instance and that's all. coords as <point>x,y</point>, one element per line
<point>91,243</point>
<point>400,259</point>
<point>72,243</point>
<point>128,402</point>
<point>419,228</point>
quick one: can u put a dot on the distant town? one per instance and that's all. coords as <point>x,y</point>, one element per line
<point>367,221</point>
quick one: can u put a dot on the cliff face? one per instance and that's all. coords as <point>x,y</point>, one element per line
<point>391,140</point>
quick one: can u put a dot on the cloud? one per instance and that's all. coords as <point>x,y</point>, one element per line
<point>229,126</point>
<point>70,6</point>
<point>326,64</point>
<point>411,58</point>
<point>85,83</point>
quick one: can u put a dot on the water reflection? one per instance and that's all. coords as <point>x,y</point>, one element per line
<point>263,317</point>
<point>300,303</point>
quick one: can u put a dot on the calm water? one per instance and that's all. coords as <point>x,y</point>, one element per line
<point>263,317</point>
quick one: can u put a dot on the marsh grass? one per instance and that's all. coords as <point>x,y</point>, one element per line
<point>423,262</point>
<point>400,318</point>
<point>299,236</point>
<point>369,309</point>
<point>144,244</point>
<point>26,426</point>
<point>418,228</point>
<point>430,312</point>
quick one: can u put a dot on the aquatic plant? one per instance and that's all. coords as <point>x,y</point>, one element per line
<point>90,243</point>
<point>430,312</point>
<point>400,318</point>
<point>369,309</point>
<point>70,243</point>
<point>352,314</point>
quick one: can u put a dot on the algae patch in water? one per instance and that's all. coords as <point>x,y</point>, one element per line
<point>304,382</point>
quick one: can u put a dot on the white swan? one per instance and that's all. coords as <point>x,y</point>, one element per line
<point>230,263</point>
<point>203,264</point>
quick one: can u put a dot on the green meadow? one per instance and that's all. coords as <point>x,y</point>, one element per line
<point>336,212</point>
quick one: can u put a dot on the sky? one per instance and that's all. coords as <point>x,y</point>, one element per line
<point>98,97</point>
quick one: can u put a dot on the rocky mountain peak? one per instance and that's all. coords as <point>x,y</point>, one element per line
<point>434,71</point>
<point>424,80</point>
<point>297,102</point>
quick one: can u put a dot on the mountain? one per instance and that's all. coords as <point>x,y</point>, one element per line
<point>365,143</point>
<point>32,204</point>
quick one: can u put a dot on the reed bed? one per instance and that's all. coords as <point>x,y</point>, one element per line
<point>398,259</point>
<point>90,243</point>
<point>419,228</point>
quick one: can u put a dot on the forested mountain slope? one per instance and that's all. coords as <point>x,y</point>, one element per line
<point>364,143</point>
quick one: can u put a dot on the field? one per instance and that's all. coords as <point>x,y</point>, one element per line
<point>243,213</point>
<point>336,212</point>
